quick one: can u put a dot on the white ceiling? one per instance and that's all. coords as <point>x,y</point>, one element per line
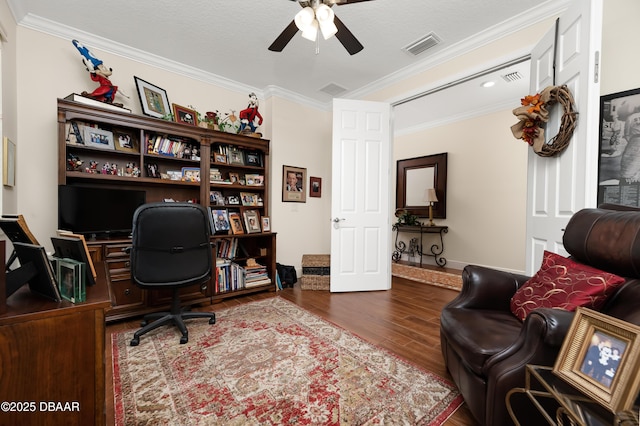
<point>228,39</point>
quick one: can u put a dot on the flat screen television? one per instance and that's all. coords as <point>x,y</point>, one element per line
<point>97,211</point>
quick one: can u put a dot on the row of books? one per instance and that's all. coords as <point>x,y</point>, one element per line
<point>228,248</point>
<point>171,146</point>
<point>232,276</point>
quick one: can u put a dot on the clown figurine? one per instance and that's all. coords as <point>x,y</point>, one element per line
<point>249,116</point>
<point>99,73</point>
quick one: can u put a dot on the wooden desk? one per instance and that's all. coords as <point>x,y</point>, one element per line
<point>52,359</point>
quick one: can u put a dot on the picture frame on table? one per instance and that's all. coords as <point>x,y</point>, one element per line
<point>70,275</point>
<point>184,115</point>
<point>294,181</point>
<point>600,357</point>
<point>618,159</point>
<point>252,221</point>
<point>153,99</point>
<point>98,138</point>
<point>315,187</point>
<point>126,142</point>
<point>236,223</point>
<point>266,224</point>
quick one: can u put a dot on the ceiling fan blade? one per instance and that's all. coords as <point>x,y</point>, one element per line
<point>346,37</point>
<point>343,2</point>
<point>284,38</point>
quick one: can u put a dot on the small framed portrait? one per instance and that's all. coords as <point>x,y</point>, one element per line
<point>219,158</point>
<point>236,223</point>
<point>315,187</point>
<point>126,142</point>
<point>184,115</point>
<point>294,184</point>
<point>219,220</point>
<point>249,199</point>
<point>216,197</point>
<point>233,200</point>
<point>252,221</point>
<point>266,224</point>
<point>152,170</point>
<point>600,357</point>
<point>174,174</point>
<point>98,138</point>
<point>154,100</point>
<point>253,158</point>
<point>236,156</point>
<point>191,174</point>
<point>234,177</point>
<point>254,180</point>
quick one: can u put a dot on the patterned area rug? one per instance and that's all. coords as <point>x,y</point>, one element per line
<point>270,363</point>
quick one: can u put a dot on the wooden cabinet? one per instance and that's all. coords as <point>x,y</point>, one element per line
<point>120,150</point>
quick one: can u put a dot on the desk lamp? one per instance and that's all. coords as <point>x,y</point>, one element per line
<point>430,197</point>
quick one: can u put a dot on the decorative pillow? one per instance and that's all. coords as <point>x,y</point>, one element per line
<point>564,284</point>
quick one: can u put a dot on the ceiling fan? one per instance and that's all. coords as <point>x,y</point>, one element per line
<point>316,17</point>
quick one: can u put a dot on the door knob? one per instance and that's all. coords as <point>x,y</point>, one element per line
<point>336,220</point>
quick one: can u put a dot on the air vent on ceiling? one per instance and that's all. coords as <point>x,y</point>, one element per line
<point>333,89</point>
<point>422,44</point>
<point>512,76</point>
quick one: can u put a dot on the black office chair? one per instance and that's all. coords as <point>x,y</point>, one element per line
<point>170,249</point>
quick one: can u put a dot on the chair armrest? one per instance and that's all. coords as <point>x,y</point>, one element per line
<point>486,288</point>
<point>539,341</point>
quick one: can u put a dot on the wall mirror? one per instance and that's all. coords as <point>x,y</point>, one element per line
<point>414,177</point>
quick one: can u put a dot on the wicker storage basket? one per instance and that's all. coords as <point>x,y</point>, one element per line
<point>315,272</point>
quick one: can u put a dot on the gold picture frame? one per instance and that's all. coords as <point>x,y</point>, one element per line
<point>294,184</point>
<point>8,162</point>
<point>600,357</point>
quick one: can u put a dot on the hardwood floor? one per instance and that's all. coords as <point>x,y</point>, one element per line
<point>403,320</point>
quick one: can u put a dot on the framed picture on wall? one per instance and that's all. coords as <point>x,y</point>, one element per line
<point>294,184</point>
<point>153,99</point>
<point>619,154</point>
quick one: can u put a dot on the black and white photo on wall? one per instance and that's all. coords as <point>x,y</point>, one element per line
<point>619,153</point>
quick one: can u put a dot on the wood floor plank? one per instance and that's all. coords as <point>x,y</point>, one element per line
<point>404,320</point>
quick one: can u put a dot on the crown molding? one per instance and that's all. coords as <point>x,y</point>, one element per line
<point>545,11</point>
<point>280,92</point>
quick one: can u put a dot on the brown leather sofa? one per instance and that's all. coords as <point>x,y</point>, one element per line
<point>486,348</point>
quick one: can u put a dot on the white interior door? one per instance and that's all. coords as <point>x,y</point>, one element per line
<point>360,200</point>
<point>559,186</point>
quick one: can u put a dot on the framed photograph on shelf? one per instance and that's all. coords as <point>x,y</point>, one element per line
<point>236,156</point>
<point>254,180</point>
<point>98,138</point>
<point>249,199</point>
<point>315,187</point>
<point>266,224</point>
<point>236,223</point>
<point>234,177</point>
<point>619,159</point>
<point>252,221</point>
<point>219,220</point>
<point>219,158</point>
<point>216,197</point>
<point>233,200</point>
<point>600,357</point>
<point>253,158</point>
<point>153,99</point>
<point>174,174</point>
<point>294,184</point>
<point>191,174</point>
<point>152,170</point>
<point>184,115</point>
<point>126,142</point>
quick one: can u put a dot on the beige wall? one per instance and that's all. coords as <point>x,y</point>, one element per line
<point>487,166</point>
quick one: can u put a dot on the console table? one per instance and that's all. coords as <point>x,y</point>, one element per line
<point>435,250</point>
<point>52,357</point>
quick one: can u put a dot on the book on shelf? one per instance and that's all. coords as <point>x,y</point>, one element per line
<point>75,97</point>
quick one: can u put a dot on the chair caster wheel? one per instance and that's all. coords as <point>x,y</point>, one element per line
<point>135,341</point>
<point>183,340</point>
<point>212,320</point>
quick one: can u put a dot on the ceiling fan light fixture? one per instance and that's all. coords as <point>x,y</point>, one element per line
<point>311,31</point>
<point>304,18</point>
<point>325,15</point>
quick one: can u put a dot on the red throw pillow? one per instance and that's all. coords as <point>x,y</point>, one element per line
<point>564,284</point>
